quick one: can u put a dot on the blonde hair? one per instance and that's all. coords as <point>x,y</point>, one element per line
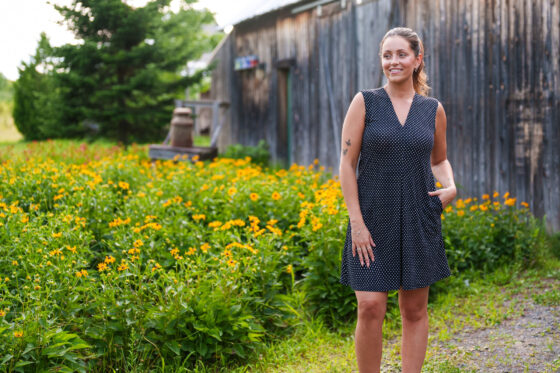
<point>419,77</point>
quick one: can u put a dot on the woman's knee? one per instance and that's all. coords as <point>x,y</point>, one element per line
<point>372,308</point>
<point>413,304</point>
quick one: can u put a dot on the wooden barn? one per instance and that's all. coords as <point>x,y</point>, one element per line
<point>290,69</point>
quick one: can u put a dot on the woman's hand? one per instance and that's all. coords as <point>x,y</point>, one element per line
<point>363,243</point>
<point>446,195</point>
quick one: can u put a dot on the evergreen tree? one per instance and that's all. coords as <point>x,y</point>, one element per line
<point>126,70</point>
<point>36,109</point>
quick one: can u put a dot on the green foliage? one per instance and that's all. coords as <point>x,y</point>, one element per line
<point>108,261</point>
<point>259,154</point>
<point>126,74</point>
<point>121,79</point>
<point>6,90</point>
<point>37,104</point>
<point>491,234</point>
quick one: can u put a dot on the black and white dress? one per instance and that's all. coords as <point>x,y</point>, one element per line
<point>394,177</point>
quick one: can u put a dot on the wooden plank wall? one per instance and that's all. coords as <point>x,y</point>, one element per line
<point>494,65</point>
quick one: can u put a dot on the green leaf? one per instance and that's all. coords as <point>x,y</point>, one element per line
<point>173,346</point>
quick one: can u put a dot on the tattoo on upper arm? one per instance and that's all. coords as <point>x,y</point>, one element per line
<point>344,151</point>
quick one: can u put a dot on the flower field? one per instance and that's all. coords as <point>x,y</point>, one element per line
<point>110,261</point>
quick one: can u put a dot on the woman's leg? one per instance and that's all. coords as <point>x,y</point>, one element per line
<point>413,305</point>
<point>368,337</point>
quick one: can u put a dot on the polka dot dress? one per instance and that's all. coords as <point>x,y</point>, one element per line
<point>394,177</point>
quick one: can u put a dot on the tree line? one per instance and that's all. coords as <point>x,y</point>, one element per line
<point>120,79</point>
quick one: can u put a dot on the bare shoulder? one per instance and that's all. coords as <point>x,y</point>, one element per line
<point>440,110</point>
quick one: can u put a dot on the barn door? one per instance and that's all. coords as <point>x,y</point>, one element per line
<point>285,132</point>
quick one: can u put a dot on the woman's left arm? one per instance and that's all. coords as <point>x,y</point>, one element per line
<point>441,168</point>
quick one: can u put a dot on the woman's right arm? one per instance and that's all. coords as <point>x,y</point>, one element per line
<point>352,132</point>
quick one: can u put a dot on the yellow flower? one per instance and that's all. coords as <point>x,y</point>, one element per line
<point>460,212</point>
<point>101,267</point>
<point>254,196</point>
<point>510,202</point>
<point>205,246</point>
<point>483,207</point>
<point>18,334</point>
<point>138,243</point>
<point>232,191</point>
<point>25,219</point>
<point>214,224</point>
<point>2,313</point>
<point>525,204</point>
<point>276,196</point>
<point>56,235</point>
<point>506,195</point>
<point>124,185</point>
<point>156,266</point>
<point>438,184</point>
<point>485,196</point>
<point>226,253</point>
<point>289,268</point>
<point>122,267</point>
<point>14,262</point>
<point>232,262</point>
<point>55,252</point>
<point>496,194</point>
<point>109,259</point>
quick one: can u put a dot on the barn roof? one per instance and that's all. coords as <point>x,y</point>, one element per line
<point>257,8</point>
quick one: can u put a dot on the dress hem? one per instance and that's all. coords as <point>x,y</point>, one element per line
<point>391,289</point>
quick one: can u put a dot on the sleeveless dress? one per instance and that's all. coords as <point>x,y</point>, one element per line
<point>394,177</point>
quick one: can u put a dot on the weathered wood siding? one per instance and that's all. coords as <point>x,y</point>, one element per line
<point>494,65</point>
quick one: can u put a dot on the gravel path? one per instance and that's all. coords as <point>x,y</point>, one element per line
<point>528,343</point>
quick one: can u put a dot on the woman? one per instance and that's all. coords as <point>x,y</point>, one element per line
<point>393,239</point>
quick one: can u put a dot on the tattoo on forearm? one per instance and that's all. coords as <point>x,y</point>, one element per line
<point>344,151</point>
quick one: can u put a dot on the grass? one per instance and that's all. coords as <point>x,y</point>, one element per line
<point>8,132</point>
<point>484,303</point>
<point>470,302</point>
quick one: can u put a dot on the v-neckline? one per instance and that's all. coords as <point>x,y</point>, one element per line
<point>395,112</point>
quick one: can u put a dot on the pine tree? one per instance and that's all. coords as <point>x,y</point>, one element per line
<point>125,71</point>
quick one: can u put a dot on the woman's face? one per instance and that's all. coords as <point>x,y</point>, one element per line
<point>398,59</point>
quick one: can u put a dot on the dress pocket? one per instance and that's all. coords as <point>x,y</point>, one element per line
<point>438,203</point>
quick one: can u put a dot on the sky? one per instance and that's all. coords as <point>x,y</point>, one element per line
<point>22,21</point>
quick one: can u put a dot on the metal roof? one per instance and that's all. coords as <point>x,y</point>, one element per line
<point>257,8</point>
